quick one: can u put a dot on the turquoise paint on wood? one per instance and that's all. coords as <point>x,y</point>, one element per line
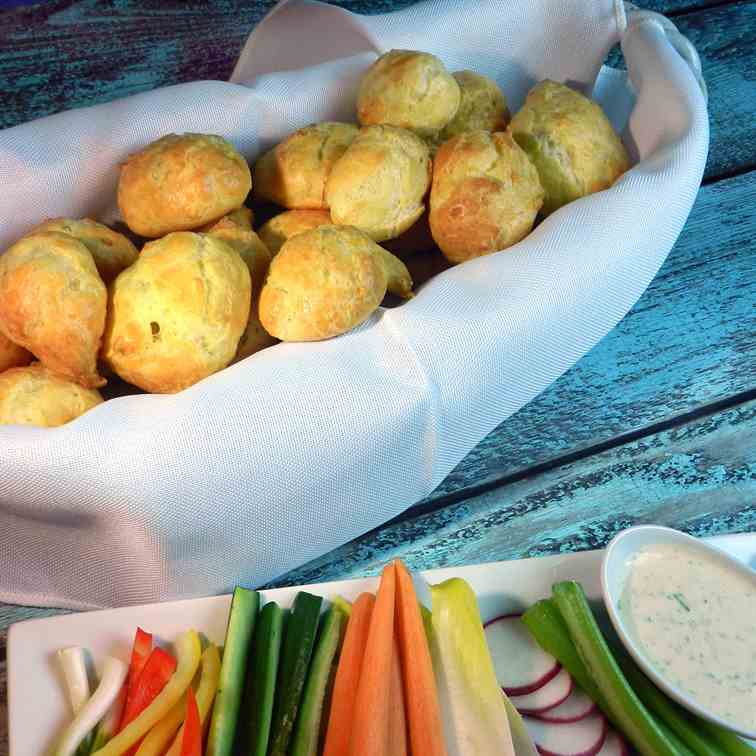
<point>699,477</point>
<point>725,38</point>
<point>690,340</point>
<point>61,55</point>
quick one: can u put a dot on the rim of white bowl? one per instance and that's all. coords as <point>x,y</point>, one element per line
<point>632,647</point>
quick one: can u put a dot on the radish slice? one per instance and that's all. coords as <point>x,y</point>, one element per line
<point>585,737</point>
<point>549,696</point>
<point>576,706</point>
<point>614,746</point>
<point>521,665</point>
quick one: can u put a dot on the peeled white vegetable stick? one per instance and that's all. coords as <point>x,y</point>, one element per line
<point>113,675</point>
<point>73,665</point>
<point>109,723</point>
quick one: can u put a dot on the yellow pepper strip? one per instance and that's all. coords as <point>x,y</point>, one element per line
<point>208,686</point>
<point>188,652</point>
<point>162,733</point>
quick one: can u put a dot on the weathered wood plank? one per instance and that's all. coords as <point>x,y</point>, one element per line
<point>725,37</point>
<point>699,477</point>
<point>61,55</point>
<point>690,340</point>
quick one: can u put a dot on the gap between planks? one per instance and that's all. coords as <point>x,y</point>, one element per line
<point>574,456</point>
<point>699,477</point>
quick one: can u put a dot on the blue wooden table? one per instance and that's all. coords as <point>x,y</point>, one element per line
<point>656,424</point>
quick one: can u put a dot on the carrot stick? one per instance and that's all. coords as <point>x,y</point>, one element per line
<point>423,711</point>
<point>397,726</point>
<point>370,724</point>
<point>348,677</point>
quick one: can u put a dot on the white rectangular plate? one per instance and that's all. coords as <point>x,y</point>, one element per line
<point>37,708</point>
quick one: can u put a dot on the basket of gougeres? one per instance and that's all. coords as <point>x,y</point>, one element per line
<point>425,185</point>
<point>433,170</point>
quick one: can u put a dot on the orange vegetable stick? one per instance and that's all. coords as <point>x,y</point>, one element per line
<point>370,723</point>
<point>421,697</point>
<point>397,726</point>
<point>348,677</point>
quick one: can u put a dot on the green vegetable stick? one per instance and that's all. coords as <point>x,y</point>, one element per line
<point>547,626</point>
<point>729,741</point>
<point>296,653</point>
<point>683,725</point>
<point>307,729</point>
<point>344,605</point>
<point>257,707</point>
<point>698,733</point>
<point>682,749</point>
<point>624,705</point>
<point>241,625</point>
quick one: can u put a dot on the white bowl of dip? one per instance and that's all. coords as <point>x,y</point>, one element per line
<point>686,612</point>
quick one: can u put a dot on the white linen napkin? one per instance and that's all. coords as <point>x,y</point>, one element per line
<point>302,447</point>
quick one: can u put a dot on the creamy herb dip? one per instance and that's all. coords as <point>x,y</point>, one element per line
<point>695,620</point>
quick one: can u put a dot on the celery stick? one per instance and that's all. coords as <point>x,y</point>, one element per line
<point>623,704</point>
<point>701,736</point>
<point>676,718</point>
<point>682,749</point>
<point>550,631</point>
<point>729,741</point>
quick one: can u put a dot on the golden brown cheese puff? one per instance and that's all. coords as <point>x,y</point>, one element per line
<point>177,314</point>
<point>34,395</point>
<point>256,256</point>
<point>408,89</point>
<point>485,195</point>
<point>249,245</point>
<point>570,141</point>
<point>325,281</point>
<point>53,303</point>
<point>294,173</point>
<point>243,217</point>
<point>417,238</point>
<point>483,106</point>
<point>380,182</point>
<point>283,226</point>
<point>181,182</point>
<point>112,252</point>
<point>12,355</point>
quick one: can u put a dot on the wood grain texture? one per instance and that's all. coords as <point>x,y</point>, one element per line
<point>725,37</point>
<point>65,54</point>
<point>690,340</point>
<point>699,477</point>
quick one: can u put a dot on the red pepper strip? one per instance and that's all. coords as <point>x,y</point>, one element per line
<point>191,743</point>
<point>156,672</point>
<point>139,654</point>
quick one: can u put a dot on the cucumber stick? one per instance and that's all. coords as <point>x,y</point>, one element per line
<point>257,709</point>
<point>299,640</point>
<point>307,729</point>
<point>623,705</point>
<point>241,624</point>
